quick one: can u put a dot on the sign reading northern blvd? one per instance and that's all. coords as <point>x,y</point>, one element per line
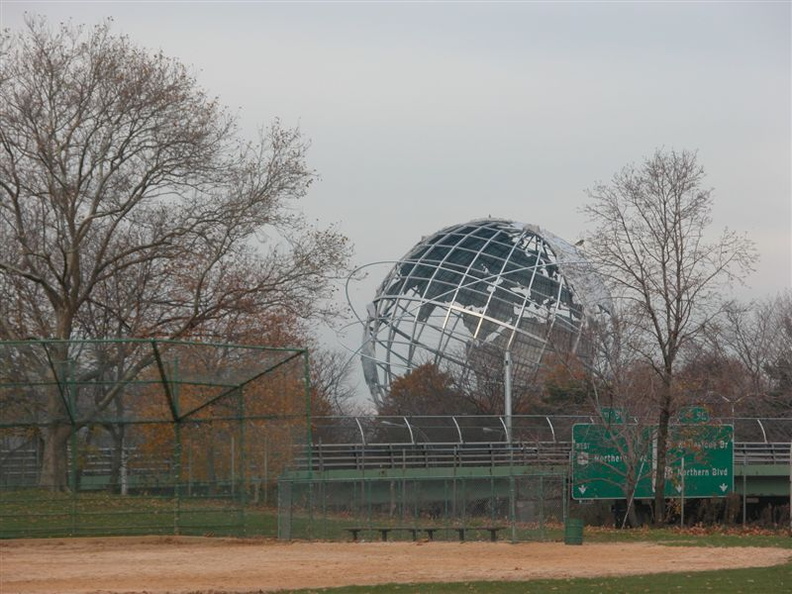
<point>607,459</point>
<point>603,459</point>
<point>701,461</point>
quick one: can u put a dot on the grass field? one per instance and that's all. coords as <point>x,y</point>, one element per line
<point>767,580</point>
<point>35,513</point>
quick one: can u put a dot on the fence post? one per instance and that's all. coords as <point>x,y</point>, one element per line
<point>68,377</point>
<point>284,509</point>
<point>541,507</point>
<point>243,467</point>
<point>173,388</point>
<point>513,507</point>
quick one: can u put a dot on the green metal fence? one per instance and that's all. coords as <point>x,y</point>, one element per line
<point>146,437</point>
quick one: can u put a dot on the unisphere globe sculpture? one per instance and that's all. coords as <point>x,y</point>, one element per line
<point>463,297</point>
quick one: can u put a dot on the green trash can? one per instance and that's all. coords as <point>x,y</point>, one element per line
<point>573,531</point>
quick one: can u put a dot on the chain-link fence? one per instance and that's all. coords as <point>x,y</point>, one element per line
<point>513,507</point>
<point>146,437</point>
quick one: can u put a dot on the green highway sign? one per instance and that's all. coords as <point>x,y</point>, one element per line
<point>603,459</point>
<point>700,461</point>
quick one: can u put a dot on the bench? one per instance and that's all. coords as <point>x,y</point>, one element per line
<point>461,532</point>
<point>430,532</point>
<point>383,531</point>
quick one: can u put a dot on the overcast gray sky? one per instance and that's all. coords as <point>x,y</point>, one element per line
<point>424,115</point>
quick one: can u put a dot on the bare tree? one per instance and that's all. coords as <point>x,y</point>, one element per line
<point>621,389</point>
<point>780,368</point>
<point>731,366</point>
<point>768,335</point>
<point>130,206</point>
<point>649,241</point>
<point>331,377</point>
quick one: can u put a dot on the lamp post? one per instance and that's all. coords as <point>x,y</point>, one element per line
<point>507,396</point>
<point>732,402</point>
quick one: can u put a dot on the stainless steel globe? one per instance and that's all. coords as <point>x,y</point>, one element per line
<point>469,293</point>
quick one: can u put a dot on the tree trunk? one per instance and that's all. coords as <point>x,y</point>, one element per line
<point>629,517</point>
<point>116,484</point>
<point>55,463</point>
<point>662,462</point>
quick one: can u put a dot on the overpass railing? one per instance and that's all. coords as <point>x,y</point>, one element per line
<point>331,457</point>
<point>776,453</point>
<point>328,457</point>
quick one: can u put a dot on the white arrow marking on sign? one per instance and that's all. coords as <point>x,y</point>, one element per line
<point>723,488</point>
<point>582,489</point>
<point>679,488</point>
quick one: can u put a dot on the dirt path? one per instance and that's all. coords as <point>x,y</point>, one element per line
<point>159,565</point>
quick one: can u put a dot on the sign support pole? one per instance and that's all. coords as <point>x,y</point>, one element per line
<point>682,503</point>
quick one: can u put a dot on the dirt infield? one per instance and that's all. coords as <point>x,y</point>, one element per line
<point>159,565</point>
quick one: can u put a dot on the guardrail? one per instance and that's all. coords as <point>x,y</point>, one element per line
<point>329,457</point>
<point>748,452</point>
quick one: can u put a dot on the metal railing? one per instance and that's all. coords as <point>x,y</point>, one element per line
<point>762,453</point>
<point>332,457</point>
<point>328,457</point>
